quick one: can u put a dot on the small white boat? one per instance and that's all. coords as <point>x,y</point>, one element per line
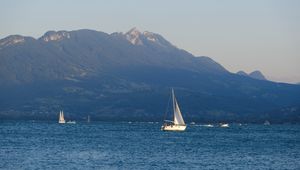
<point>178,123</point>
<point>267,123</point>
<point>71,122</point>
<point>224,125</point>
<point>61,117</point>
<point>209,125</point>
<point>192,123</point>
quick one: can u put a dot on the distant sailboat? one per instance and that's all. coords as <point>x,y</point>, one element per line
<point>208,125</point>
<point>88,119</point>
<point>178,123</point>
<point>61,117</point>
<point>224,125</point>
<point>267,123</point>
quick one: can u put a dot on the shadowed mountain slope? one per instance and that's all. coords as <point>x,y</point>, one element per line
<point>128,76</point>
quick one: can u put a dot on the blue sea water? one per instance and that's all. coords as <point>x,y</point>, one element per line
<point>115,145</point>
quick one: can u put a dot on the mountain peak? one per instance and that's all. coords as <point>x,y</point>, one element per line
<point>150,36</point>
<point>11,40</point>
<point>133,36</point>
<point>242,73</point>
<point>136,37</point>
<point>133,31</point>
<point>55,36</point>
<point>255,75</point>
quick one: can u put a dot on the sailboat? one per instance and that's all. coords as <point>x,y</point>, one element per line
<point>61,117</point>
<point>88,119</point>
<point>178,123</point>
<point>267,123</point>
<point>224,125</point>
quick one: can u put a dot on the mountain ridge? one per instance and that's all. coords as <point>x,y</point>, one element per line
<point>110,78</point>
<point>63,43</point>
<point>254,74</point>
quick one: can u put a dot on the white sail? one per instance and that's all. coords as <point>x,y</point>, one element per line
<point>61,117</point>
<point>178,120</point>
<point>177,116</point>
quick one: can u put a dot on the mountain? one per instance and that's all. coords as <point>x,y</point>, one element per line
<point>128,76</point>
<point>83,53</point>
<point>242,73</point>
<point>255,75</point>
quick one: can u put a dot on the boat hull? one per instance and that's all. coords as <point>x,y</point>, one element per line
<point>61,121</point>
<point>173,127</point>
<point>225,125</point>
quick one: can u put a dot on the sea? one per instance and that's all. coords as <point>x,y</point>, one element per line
<point>142,145</point>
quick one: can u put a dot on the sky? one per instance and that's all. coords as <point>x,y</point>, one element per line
<point>239,34</point>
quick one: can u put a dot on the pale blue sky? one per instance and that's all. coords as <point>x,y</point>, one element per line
<point>241,35</point>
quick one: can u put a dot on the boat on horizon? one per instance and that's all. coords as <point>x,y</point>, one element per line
<point>61,118</point>
<point>267,123</point>
<point>88,119</point>
<point>178,123</point>
<point>224,125</point>
<point>208,125</point>
<point>71,122</point>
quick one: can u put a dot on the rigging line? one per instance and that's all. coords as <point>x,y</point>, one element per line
<point>167,109</point>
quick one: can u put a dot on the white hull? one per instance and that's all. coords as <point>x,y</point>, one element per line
<point>61,121</point>
<point>225,125</point>
<point>71,122</point>
<point>209,125</point>
<point>173,127</point>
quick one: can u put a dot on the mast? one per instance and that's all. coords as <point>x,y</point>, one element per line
<point>174,107</point>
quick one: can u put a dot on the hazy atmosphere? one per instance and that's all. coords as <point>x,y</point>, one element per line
<point>240,35</point>
<point>160,84</point>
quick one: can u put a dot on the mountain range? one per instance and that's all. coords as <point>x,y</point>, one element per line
<point>255,74</point>
<point>128,76</point>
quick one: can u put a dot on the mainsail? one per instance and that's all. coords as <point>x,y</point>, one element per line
<point>61,117</point>
<point>178,120</point>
